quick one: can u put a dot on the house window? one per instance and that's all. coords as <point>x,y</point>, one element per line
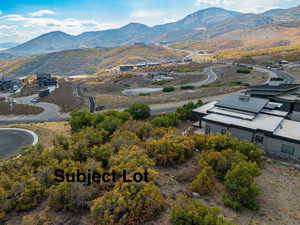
<point>259,139</point>
<point>223,131</point>
<point>207,129</point>
<point>288,149</point>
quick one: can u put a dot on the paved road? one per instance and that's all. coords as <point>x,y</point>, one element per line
<point>211,77</point>
<point>12,140</point>
<point>51,112</point>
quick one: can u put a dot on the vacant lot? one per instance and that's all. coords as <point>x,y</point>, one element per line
<point>19,109</point>
<point>280,194</point>
<point>64,98</point>
<point>294,70</point>
<point>228,76</point>
<point>108,92</point>
<point>46,131</point>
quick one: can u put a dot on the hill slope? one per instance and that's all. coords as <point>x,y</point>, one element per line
<point>88,61</point>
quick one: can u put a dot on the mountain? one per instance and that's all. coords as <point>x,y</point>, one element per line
<point>8,45</point>
<point>284,14</point>
<point>53,41</point>
<point>88,61</point>
<point>203,24</point>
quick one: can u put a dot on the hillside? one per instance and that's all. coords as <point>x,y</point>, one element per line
<point>280,39</point>
<point>88,61</point>
<point>203,24</point>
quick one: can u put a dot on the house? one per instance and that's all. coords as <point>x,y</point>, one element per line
<point>256,120</point>
<point>45,80</point>
<point>286,94</point>
<point>9,84</point>
<point>123,68</point>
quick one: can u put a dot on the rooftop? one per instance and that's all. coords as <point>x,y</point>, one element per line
<point>288,129</point>
<point>243,103</point>
<point>262,121</point>
<point>279,87</point>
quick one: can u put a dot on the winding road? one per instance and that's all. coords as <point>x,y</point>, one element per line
<point>211,77</point>
<point>51,111</point>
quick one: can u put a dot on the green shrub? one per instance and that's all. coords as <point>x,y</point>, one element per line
<point>185,112</point>
<point>243,70</point>
<point>81,119</point>
<point>160,82</point>
<point>188,87</point>
<point>168,120</point>
<point>128,204</point>
<point>144,94</point>
<point>189,212</point>
<point>204,182</point>
<point>168,89</point>
<point>170,150</point>
<point>240,185</point>
<point>72,197</point>
<point>139,111</point>
<point>238,83</point>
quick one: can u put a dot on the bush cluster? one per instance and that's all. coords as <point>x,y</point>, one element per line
<point>168,89</point>
<point>189,212</point>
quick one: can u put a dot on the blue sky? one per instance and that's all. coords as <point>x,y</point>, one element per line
<point>22,20</point>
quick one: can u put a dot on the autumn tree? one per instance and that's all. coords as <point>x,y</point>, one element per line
<point>241,187</point>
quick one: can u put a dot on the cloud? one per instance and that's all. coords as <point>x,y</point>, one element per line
<point>22,28</point>
<point>41,13</point>
<point>146,13</point>
<point>245,6</point>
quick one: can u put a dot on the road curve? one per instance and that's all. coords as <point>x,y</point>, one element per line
<point>211,77</point>
<point>13,139</point>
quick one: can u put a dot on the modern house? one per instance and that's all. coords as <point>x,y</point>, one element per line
<point>256,120</point>
<point>286,94</point>
<point>9,84</point>
<point>45,80</point>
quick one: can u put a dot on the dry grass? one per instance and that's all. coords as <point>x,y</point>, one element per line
<point>19,109</point>
<point>64,98</point>
<point>46,131</point>
<point>280,194</point>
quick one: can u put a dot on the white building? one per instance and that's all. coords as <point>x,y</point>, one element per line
<point>255,120</point>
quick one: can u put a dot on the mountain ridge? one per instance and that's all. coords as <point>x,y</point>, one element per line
<point>203,24</point>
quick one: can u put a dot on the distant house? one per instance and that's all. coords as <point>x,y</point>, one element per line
<point>256,120</point>
<point>286,94</point>
<point>45,80</point>
<point>282,62</point>
<point>44,93</point>
<point>124,68</point>
<point>9,84</point>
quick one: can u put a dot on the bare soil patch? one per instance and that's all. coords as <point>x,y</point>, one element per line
<point>280,194</point>
<point>19,109</point>
<point>229,74</point>
<point>64,98</point>
<point>108,91</point>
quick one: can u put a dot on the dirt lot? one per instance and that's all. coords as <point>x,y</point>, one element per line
<point>280,194</point>
<point>294,70</point>
<point>108,91</point>
<point>46,131</point>
<point>64,98</point>
<point>124,81</point>
<point>19,109</point>
<point>228,74</point>
<point>27,90</point>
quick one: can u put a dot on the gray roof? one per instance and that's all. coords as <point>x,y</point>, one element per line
<point>260,122</point>
<point>243,103</point>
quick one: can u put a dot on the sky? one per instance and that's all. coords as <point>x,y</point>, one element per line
<point>22,20</point>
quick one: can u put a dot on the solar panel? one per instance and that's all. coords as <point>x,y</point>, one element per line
<point>247,104</point>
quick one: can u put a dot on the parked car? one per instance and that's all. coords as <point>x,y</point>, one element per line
<point>35,100</point>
